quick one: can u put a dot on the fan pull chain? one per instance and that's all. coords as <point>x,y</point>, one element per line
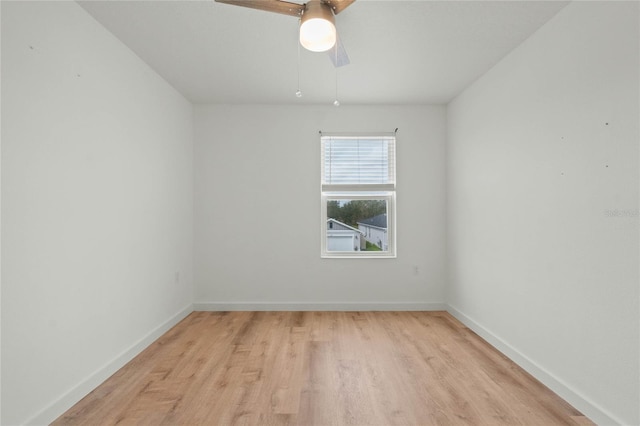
<point>336,102</point>
<point>298,92</point>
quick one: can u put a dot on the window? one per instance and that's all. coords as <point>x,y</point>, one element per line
<point>358,190</point>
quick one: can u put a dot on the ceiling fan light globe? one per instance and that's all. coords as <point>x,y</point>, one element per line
<point>317,26</point>
<point>317,34</point>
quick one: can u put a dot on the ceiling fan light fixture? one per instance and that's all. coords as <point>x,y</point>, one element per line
<point>317,27</point>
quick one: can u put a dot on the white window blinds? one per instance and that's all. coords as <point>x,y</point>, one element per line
<point>355,161</point>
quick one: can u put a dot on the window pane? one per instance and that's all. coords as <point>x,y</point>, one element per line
<point>357,225</point>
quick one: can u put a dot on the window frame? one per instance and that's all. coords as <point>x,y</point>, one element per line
<point>367,191</point>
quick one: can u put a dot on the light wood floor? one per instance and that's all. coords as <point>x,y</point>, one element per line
<point>321,368</point>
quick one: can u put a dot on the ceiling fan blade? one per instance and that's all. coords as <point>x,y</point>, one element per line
<point>338,5</point>
<point>338,54</point>
<point>277,6</point>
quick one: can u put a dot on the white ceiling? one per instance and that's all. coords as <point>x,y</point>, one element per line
<point>401,52</point>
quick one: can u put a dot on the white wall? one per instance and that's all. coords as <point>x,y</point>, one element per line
<point>0,227</point>
<point>542,152</point>
<point>257,210</point>
<point>97,209</point>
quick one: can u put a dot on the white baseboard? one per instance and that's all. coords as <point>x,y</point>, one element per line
<point>585,406</point>
<point>69,399</point>
<point>325,306</point>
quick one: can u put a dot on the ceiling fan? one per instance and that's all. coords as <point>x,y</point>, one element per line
<point>317,23</point>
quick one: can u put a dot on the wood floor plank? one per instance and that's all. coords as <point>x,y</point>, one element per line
<point>321,368</point>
